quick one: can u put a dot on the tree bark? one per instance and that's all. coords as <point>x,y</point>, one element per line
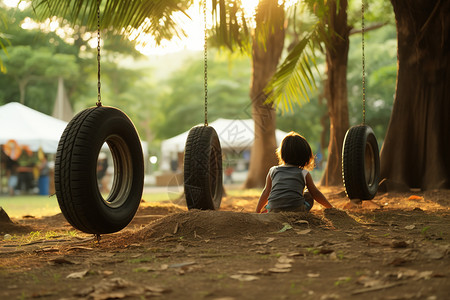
<point>265,59</point>
<point>416,150</point>
<point>336,90</point>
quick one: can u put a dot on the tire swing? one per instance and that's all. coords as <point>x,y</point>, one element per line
<point>203,157</point>
<point>77,190</point>
<point>360,154</point>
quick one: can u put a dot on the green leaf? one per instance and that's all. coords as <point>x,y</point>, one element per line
<point>285,227</point>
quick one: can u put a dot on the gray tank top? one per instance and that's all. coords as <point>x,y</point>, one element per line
<point>288,184</point>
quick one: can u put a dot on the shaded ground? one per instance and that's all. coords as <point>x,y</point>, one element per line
<point>394,247</point>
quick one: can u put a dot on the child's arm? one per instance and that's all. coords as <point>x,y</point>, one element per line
<point>264,195</point>
<point>315,193</point>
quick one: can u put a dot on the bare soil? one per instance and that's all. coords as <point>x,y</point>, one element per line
<point>393,247</point>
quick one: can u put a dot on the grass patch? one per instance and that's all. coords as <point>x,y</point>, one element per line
<point>32,205</point>
<point>41,206</point>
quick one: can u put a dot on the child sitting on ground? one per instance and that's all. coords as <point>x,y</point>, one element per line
<point>285,183</point>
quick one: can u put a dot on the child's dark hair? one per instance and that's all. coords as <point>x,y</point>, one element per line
<point>295,150</point>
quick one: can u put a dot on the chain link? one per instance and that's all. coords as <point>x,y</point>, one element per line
<point>99,96</point>
<point>363,64</point>
<point>205,63</point>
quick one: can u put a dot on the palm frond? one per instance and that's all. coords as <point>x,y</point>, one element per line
<point>155,17</point>
<point>231,27</point>
<point>294,79</point>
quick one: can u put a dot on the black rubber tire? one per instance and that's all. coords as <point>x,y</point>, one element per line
<point>203,169</point>
<point>76,171</point>
<point>360,163</point>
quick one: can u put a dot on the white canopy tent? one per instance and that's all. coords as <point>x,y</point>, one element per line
<point>29,127</point>
<point>234,134</point>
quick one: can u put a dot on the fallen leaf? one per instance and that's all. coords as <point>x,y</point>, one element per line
<point>276,270</point>
<point>107,273</point>
<point>368,281</point>
<point>403,274</point>
<point>243,277</point>
<point>157,289</point>
<point>424,275</point>
<point>285,227</point>
<point>269,240</point>
<point>251,272</point>
<point>414,197</point>
<point>305,231</point>
<point>285,260</point>
<point>107,289</point>
<point>109,295</point>
<point>77,275</point>
<point>302,222</point>
<point>410,227</point>
<point>295,254</point>
<point>283,266</point>
<point>313,275</point>
<point>80,248</point>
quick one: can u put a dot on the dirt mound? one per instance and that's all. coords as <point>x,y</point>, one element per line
<point>159,209</point>
<point>4,218</point>
<point>339,218</point>
<point>222,224</point>
<point>7,226</point>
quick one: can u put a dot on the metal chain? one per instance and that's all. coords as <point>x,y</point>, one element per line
<point>99,96</point>
<point>363,64</point>
<point>205,61</point>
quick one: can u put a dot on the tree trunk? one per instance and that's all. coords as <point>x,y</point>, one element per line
<point>264,63</point>
<point>416,150</point>
<point>336,91</point>
<point>22,89</point>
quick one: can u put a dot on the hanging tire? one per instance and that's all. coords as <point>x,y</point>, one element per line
<point>76,184</point>
<point>203,169</point>
<point>360,163</point>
